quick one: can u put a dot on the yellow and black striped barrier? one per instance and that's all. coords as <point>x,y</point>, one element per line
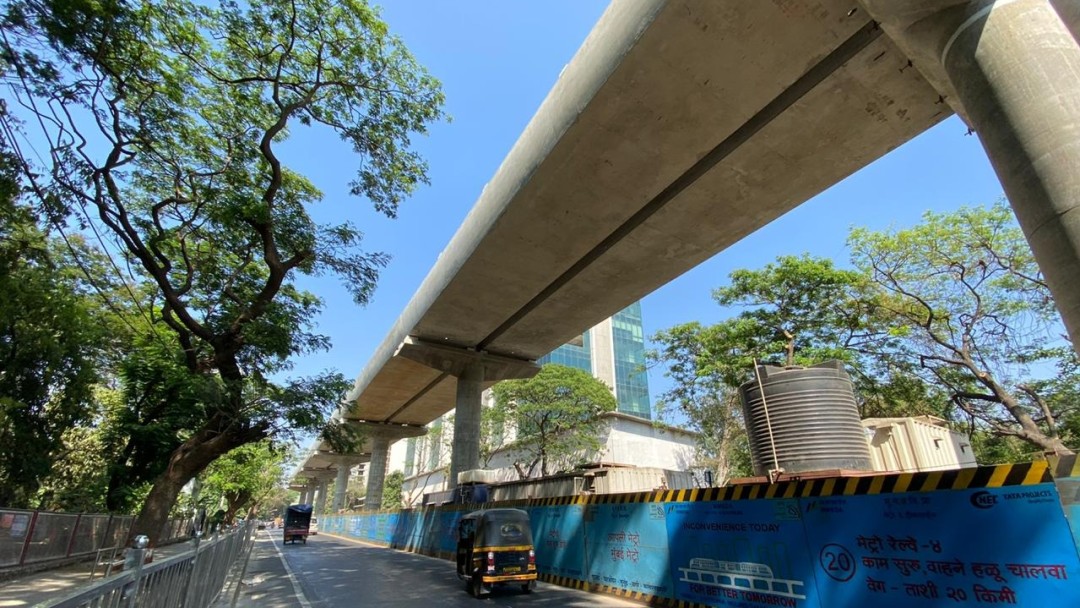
<point>959,479</point>
<point>1065,466</point>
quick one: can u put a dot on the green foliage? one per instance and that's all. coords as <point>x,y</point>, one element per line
<point>493,426</point>
<point>392,484</point>
<point>795,311</point>
<point>244,477</point>
<point>973,317</point>
<point>949,318</point>
<point>78,479</point>
<point>161,402</point>
<point>161,124</point>
<point>50,347</point>
<point>798,310</point>
<point>557,417</point>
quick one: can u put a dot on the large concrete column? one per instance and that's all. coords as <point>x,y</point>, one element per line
<point>466,452</point>
<point>380,449</point>
<point>320,495</point>
<point>341,484</point>
<point>1012,69</point>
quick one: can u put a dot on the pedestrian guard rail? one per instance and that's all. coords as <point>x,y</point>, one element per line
<point>968,537</point>
<point>37,537</point>
<point>193,579</point>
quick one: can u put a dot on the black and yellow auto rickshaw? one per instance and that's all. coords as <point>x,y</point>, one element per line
<point>297,523</point>
<point>494,547</point>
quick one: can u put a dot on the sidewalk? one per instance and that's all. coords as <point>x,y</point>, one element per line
<point>268,582</point>
<point>42,586</point>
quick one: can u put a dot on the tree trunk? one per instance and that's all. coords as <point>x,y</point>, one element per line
<point>1029,431</point>
<point>235,501</point>
<point>114,499</point>
<point>187,461</point>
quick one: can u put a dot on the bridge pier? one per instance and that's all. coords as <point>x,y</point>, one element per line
<point>466,450</point>
<point>322,484</point>
<point>377,440</point>
<point>474,370</point>
<point>341,481</point>
<point>1011,68</point>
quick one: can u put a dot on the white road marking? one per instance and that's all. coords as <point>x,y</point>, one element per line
<point>304,603</point>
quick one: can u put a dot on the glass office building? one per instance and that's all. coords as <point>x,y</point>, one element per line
<point>614,352</point>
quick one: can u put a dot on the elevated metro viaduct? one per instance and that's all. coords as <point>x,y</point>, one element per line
<point>682,126</point>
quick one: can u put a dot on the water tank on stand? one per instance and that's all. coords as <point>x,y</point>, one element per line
<point>813,417</point>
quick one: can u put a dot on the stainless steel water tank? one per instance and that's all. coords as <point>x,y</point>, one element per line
<point>814,418</point>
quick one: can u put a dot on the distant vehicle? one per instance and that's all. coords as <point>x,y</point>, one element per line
<point>314,526</point>
<point>494,547</point>
<point>297,523</point>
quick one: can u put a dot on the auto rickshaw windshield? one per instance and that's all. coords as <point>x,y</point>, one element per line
<point>504,527</point>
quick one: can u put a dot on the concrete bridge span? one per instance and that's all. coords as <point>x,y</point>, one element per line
<point>682,126</point>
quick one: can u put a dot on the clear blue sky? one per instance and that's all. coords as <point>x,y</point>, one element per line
<point>497,60</point>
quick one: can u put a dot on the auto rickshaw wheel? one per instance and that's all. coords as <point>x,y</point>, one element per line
<point>476,588</point>
<point>527,587</point>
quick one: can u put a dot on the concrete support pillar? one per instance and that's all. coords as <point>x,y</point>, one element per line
<point>1014,69</point>
<point>472,369</point>
<point>1018,75</point>
<point>305,495</point>
<point>380,448</point>
<point>320,495</point>
<point>341,484</point>
<point>466,452</point>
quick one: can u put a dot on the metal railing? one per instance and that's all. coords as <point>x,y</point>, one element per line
<point>35,537</point>
<point>193,579</point>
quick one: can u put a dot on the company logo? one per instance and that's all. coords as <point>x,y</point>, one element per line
<point>983,500</point>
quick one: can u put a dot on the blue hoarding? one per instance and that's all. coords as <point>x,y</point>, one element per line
<point>969,547</point>
<point>955,547</point>
<point>744,553</point>
<point>559,539</point>
<point>626,546</point>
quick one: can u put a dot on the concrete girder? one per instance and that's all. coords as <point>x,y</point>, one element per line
<point>1012,69</point>
<point>659,146</point>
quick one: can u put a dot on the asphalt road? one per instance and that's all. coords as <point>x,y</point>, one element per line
<point>336,573</point>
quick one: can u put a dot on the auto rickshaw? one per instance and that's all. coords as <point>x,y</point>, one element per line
<point>494,547</point>
<point>297,523</point>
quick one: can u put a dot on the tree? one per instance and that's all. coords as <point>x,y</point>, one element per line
<point>79,476</point>
<point>806,306</point>
<point>492,433</point>
<point>798,310</point>
<point>392,484</point>
<point>702,394</point>
<point>972,313</point>
<point>50,346</point>
<point>244,477</point>
<point>161,123</point>
<point>557,417</point>
<point>949,318</point>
